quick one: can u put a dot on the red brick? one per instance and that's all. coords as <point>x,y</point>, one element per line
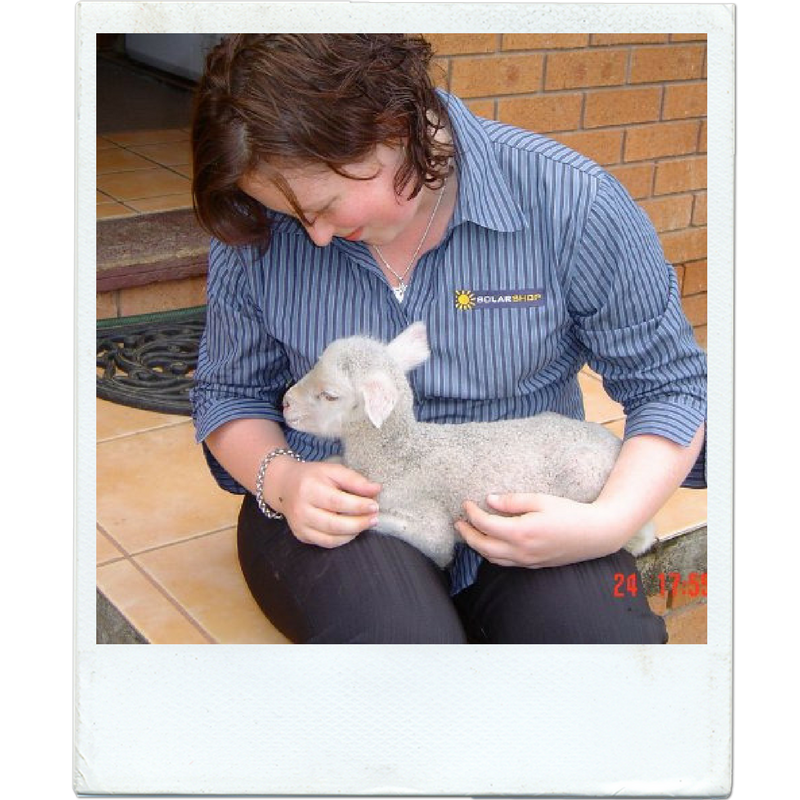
<point>690,244</point>
<point>542,113</point>
<point>683,175</point>
<point>688,625</point>
<point>700,213</point>
<point>695,277</point>
<point>106,305</point>
<point>447,44</point>
<point>621,107</point>
<point>669,213</point>
<point>701,335</point>
<point>543,41</point>
<point>661,139</point>
<point>628,38</point>
<point>688,37</point>
<point>658,604</point>
<point>482,108</point>
<point>702,145</point>
<point>496,75</point>
<point>685,100</point>
<point>585,68</point>
<point>673,63</point>
<point>637,179</point>
<point>604,147</point>
<point>440,72</point>
<point>680,272</point>
<point>695,308</point>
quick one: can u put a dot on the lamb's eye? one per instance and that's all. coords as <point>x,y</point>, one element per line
<point>327,396</point>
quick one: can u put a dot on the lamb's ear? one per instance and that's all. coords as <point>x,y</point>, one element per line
<point>380,397</point>
<point>410,348</point>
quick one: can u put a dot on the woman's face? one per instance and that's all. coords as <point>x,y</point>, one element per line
<point>358,210</point>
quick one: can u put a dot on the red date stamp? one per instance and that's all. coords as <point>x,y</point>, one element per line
<point>672,583</point>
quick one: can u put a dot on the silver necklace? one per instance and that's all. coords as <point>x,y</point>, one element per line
<point>402,286</point>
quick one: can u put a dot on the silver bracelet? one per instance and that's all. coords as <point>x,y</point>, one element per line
<point>262,469</point>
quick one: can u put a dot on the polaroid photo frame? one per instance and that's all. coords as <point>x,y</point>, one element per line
<point>411,720</point>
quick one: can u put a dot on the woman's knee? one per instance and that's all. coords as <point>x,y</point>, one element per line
<point>373,590</point>
<point>575,604</point>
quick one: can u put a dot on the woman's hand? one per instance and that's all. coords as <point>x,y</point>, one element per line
<point>540,530</point>
<point>325,504</point>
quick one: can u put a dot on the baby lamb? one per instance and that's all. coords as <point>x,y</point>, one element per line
<point>358,392</point>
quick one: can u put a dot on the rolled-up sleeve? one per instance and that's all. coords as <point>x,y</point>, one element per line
<point>625,301</point>
<point>242,371</point>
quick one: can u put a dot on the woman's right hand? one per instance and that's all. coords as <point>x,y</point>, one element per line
<point>325,504</point>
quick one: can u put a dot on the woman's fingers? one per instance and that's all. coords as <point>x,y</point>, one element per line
<point>332,505</point>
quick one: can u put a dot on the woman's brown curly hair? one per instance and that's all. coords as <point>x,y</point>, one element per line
<point>303,99</point>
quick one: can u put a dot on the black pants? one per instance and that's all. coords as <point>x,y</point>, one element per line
<point>377,589</point>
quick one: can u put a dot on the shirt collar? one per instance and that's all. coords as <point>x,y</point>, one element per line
<point>484,196</point>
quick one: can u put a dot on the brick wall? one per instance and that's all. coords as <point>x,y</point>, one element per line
<point>635,103</point>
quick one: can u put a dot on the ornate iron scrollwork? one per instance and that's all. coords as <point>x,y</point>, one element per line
<point>148,362</point>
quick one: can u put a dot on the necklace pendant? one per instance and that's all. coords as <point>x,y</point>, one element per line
<point>399,291</point>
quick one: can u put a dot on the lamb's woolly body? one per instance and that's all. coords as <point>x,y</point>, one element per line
<point>427,470</point>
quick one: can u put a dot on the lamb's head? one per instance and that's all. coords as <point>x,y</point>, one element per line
<point>356,379</point>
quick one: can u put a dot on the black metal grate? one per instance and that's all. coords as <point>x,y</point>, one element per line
<point>148,361</point>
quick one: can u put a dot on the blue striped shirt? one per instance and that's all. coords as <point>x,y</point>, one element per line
<point>547,265</point>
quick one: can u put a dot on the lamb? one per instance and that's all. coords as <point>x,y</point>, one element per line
<point>358,392</point>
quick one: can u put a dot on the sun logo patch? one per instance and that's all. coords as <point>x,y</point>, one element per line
<point>485,299</point>
<point>465,300</point>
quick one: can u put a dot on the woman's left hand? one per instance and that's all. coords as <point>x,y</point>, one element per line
<point>540,530</point>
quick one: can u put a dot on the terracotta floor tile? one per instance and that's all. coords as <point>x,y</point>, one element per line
<point>138,138</point>
<point>106,549</point>
<point>598,405</point>
<point>142,183</point>
<point>109,210</point>
<point>169,154</point>
<point>138,599</point>
<point>203,575</point>
<point>617,427</point>
<point>183,169</point>
<point>154,488</point>
<point>118,159</point>
<point>114,420</point>
<point>167,202</point>
<point>686,510</point>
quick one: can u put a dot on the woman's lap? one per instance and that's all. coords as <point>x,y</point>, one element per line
<point>377,589</point>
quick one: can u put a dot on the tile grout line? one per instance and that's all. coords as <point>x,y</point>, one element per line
<point>170,168</point>
<point>129,558</point>
<point>155,548</point>
<point>163,426</point>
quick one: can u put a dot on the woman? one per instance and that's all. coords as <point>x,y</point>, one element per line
<point>346,195</point>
